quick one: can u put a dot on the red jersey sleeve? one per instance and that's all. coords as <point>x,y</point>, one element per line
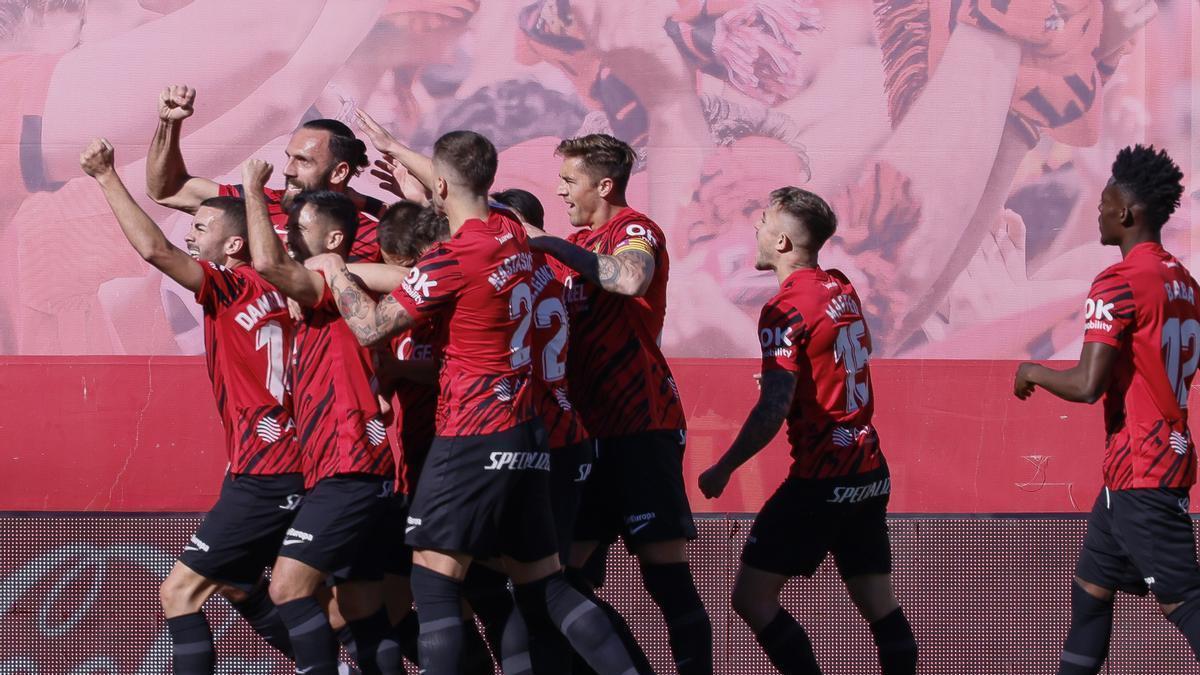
<point>782,335</point>
<point>431,287</point>
<point>220,287</point>
<point>636,236</point>
<point>1109,310</point>
<point>229,191</point>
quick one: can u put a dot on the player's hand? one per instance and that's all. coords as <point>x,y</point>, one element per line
<point>1022,387</point>
<point>325,263</point>
<point>255,174</point>
<point>176,103</point>
<point>97,159</point>
<point>713,481</point>
<point>295,310</point>
<point>398,181</point>
<point>381,138</point>
<point>1123,20</point>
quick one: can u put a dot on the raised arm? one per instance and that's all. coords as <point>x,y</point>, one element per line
<point>271,259</point>
<point>420,166</point>
<point>142,232</point>
<point>764,421</point>
<point>1085,382</point>
<point>243,44</point>
<point>377,277</point>
<point>167,179</point>
<point>626,273</point>
<point>372,322</point>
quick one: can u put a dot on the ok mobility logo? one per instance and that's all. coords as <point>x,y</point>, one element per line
<point>1098,314</point>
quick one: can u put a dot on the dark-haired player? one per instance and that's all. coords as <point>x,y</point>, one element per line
<point>616,270</point>
<point>1141,346</point>
<point>815,349</point>
<point>347,461</point>
<point>322,154</point>
<point>247,336</point>
<point>483,492</point>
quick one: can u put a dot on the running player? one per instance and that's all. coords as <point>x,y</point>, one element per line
<point>616,270</point>
<point>322,154</point>
<point>815,348</point>
<point>247,336</point>
<point>1141,344</point>
<point>347,461</point>
<point>484,489</point>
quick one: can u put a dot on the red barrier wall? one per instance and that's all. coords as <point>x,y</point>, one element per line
<point>141,434</point>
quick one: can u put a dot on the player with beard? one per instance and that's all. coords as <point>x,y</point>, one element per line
<point>322,154</point>
<point>615,268</point>
<point>815,349</point>
<point>484,491</point>
<point>247,334</point>
<point>1141,344</point>
<point>346,458</point>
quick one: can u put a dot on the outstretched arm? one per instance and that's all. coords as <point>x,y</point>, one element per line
<point>371,322</point>
<point>626,273</point>
<point>764,421</point>
<point>270,258</point>
<point>142,232</point>
<point>420,166</point>
<point>1085,382</point>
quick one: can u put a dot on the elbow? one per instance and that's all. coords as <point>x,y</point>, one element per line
<point>370,341</point>
<point>266,266</point>
<point>1090,396</point>
<point>156,255</point>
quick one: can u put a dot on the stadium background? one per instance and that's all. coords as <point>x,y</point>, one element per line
<point>973,249</point>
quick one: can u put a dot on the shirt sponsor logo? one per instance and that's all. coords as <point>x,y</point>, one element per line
<point>418,286</point>
<point>1098,309</point>
<point>854,495</point>
<point>775,341</point>
<point>295,536</point>
<point>518,461</point>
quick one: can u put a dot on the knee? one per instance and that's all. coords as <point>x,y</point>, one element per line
<point>287,586</point>
<point>756,609</point>
<point>179,594</point>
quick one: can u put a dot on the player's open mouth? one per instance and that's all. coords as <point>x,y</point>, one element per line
<point>194,252</point>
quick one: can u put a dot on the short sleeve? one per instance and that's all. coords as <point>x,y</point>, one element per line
<point>229,191</point>
<point>219,288</point>
<point>432,286</point>
<point>1108,312</point>
<point>638,237</point>
<point>782,333</point>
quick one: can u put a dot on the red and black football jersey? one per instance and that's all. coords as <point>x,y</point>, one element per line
<point>814,328</point>
<point>415,403</point>
<point>478,284</point>
<point>247,343</point>
<point>620,381</point>
<point>1145,306</point>
<point>340,427</point>
<point>551,345</point>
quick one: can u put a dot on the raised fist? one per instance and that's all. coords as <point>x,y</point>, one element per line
<point>97,159</point>
<point>176,102</point>
<point>255,174</point>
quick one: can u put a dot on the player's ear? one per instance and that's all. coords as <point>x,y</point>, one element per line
<point>333,240</point>
<point>442,187</point>
<point>234,246</point>
<point>340,174</point>
<point>605,186</point>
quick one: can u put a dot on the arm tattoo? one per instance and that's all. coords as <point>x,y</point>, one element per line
<point>369,321</point>
<point>764,420</point>
<point>628,273</point>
